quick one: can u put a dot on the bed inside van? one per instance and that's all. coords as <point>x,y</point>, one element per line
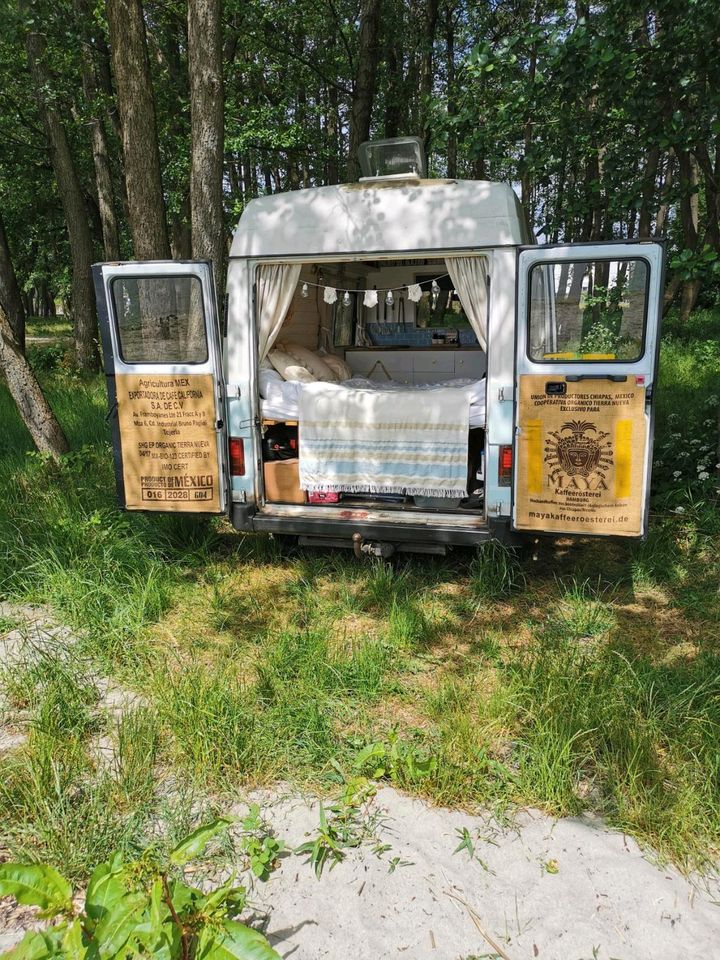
<point>371,381</point>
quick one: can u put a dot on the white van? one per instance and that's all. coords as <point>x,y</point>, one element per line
<point>397,366</point>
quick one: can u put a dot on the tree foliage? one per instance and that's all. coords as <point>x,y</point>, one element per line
<point>605,116</point>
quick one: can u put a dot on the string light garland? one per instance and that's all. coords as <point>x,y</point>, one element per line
<point>433,281</point>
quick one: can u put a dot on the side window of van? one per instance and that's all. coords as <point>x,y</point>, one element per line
<point>160,319</point>
<point>588,310</point>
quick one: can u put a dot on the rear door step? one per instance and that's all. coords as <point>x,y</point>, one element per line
<point>379,525</point>
<point>349,515</point>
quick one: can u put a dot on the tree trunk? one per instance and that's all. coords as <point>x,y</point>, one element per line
<point>711,177</point>
<point>180,235</point>
<point>73,202</point>
<point>689,206</point>
<point>525,177</point>
<point>34,409</point>
<point>648,192</point>
<point>690,220</point>
<point>365,82</point>
<point>10,296</point>
<point>332,174</point>
<point>146,204</point>
<point>426,67</point>
<point>688,297</point>
<point>393,67</point>
<point>661,219</point>
<point>98,140</point>
<point>206,114</point>
<point>451,92</point>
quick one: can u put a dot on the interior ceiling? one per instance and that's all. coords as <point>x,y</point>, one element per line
<point>359,268</point>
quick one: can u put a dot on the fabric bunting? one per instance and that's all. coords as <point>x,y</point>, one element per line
<point>370,299</point>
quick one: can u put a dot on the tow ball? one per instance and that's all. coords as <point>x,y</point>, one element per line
<point>371,548</point>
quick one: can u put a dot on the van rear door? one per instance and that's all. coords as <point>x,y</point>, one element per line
<point>588,318</point>
<point>161,349</point>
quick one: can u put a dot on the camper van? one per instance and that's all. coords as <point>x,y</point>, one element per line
<point>397,365</point>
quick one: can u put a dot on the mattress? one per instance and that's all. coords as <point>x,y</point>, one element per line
<point>280,399</point>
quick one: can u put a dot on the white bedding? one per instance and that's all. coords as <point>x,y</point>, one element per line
<point>280,399</point>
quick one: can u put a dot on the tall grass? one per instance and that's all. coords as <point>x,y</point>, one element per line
<point>587,682</point>
<point>62,539</point>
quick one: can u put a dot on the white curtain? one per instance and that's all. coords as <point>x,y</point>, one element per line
<point>275,287</point>
<point>469,277</point>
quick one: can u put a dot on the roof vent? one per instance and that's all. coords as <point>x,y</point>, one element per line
<point>398,158</point>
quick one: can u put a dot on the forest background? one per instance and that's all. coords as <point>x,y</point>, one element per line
<point>133,129</point>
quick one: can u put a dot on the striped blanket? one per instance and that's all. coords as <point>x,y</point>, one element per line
<point>412,442</point>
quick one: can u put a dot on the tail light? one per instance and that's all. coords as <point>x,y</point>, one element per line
<point>505,462</point>
<point>237,456</point>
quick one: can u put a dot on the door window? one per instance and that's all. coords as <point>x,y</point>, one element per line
<point>588,310</point>
<point>160,319</point>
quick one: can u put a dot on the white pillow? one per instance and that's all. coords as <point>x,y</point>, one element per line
<point>341,368</point>
<point>266,378</point>
<point>317,366</point>
<point>288,368</point>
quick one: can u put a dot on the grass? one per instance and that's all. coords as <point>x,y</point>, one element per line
<point>588,680</point>
<point>48,327</point>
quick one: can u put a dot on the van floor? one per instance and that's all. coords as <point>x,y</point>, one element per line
<point>474,504</point>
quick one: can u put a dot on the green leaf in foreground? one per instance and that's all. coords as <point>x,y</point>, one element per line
<point>104,889</point>
<point>72,942</point>
<point>33,946</point>
<point>118,923</point>
<point>36,885</point>
<point>194,844</point>
<point>234,941</point>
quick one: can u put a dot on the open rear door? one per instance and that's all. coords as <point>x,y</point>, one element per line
<point>586,362</point>
<point>161,347</point>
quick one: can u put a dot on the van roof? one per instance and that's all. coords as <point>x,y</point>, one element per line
<point>381,217</point>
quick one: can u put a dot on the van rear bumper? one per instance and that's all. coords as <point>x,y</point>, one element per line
<point>460,531</point>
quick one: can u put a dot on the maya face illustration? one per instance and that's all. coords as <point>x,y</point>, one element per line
<point>578,449</point>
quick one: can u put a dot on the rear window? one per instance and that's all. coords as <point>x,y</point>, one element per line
<point>587,310</point>
<point>160,319</point>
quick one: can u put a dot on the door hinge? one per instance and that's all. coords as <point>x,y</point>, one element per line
<point>496,508</point>
<point>505,394</point>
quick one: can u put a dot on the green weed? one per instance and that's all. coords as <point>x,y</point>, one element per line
<point>138,738</point>
<point>495,572</point>
<point>52,809</point>
<point>209,716</point>
<point>408,626</point>
<point>259,844</point>
<point>55,690</point>
<point>345,824</point>
<point>581,612</point>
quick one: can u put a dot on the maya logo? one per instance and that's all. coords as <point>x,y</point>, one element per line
<point>578,456</point>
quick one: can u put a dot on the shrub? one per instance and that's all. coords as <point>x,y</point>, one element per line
<point>138,907</point>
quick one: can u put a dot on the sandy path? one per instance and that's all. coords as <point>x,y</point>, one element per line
<point>605,896</point>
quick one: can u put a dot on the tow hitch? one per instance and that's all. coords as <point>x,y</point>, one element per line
<point>371,548</point>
